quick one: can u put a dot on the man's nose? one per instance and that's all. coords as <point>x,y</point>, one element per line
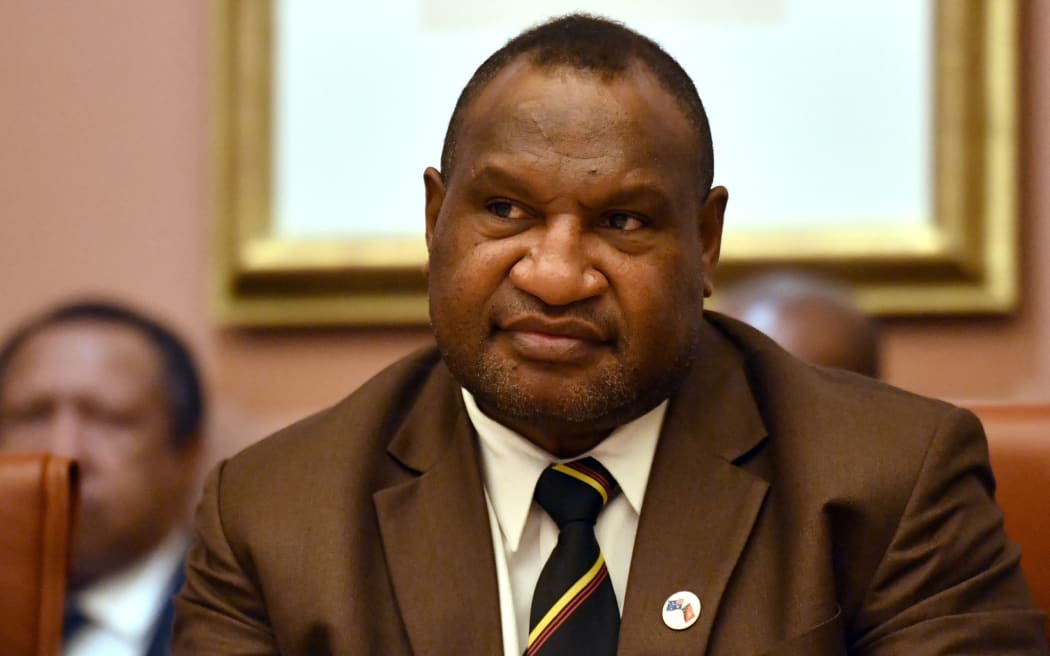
<point>559,267</point>
<point>65,433</point>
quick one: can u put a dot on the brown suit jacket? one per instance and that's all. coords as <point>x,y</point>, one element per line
<point>812,511</point>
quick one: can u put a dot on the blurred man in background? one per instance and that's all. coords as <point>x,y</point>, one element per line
<point>120,394</point>
<point>813,318</point>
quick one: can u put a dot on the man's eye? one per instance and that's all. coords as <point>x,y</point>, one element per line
<point>623,221</point>
<point>503,209</point>
<point>115,419</point>
<point>30,414</point>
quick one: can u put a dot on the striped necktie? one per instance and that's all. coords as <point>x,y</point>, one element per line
<point>574,607</point>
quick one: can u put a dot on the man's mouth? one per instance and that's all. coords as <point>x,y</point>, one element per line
<point>555,340</point>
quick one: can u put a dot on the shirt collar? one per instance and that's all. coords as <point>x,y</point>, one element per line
<point>511,465</point>
<point>126,603</point>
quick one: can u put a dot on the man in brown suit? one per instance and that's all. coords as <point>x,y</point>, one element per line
<point>572,233</point>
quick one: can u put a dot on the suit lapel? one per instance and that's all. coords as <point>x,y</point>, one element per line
<point>699,506</point>
<point>435,530</point>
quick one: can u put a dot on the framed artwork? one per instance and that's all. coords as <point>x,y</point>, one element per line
<point>876,143</point>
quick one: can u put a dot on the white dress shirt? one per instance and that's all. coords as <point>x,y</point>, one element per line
<point>523,535</point>
<point>122,608</point>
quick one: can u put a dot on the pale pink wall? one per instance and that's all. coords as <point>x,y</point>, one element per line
<point>104,188</point>
<point>1007,358</point>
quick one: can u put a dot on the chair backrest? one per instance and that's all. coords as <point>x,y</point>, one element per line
<point>1019,445</point>
<point>37,510</point>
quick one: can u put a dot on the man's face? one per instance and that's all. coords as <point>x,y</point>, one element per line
<point>568,250</point>
<point>93,391</point>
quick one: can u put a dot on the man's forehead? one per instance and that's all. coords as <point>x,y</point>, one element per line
<point>550,103</point>
<point>92,330</point>
<point>82,348</point>
<point>520,75</point>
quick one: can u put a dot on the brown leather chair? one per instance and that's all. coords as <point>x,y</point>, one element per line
<point>37,508</point>
<point>1019,445</point>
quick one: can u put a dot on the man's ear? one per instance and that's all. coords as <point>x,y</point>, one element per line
<point>712,215</point>
<point>434,185</point>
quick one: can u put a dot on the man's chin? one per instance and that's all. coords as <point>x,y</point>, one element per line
<point>556,404</point>
<point>102,552</point>
<point>566,398</point>
<point>87,570</point>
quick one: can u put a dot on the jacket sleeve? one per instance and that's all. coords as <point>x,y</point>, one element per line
<point>220,609</point>
<point>950,582</point>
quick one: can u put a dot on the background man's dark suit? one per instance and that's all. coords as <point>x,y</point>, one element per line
<point>807,509</point>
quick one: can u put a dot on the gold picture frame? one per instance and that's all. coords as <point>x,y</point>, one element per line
<point>963,262</point>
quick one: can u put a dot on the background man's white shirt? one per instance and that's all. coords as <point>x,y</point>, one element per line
<point>122,608</point>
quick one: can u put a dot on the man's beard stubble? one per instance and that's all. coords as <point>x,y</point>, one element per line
<point>614,396</point>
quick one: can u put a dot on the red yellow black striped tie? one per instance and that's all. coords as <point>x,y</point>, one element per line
<point>574,607</point>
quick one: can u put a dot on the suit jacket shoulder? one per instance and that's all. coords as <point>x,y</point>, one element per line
<point>315,539</point>
<point>846,512</point>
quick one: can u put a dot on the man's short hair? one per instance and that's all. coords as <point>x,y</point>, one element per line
<point>181,380</point>
<point>599,46</point>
